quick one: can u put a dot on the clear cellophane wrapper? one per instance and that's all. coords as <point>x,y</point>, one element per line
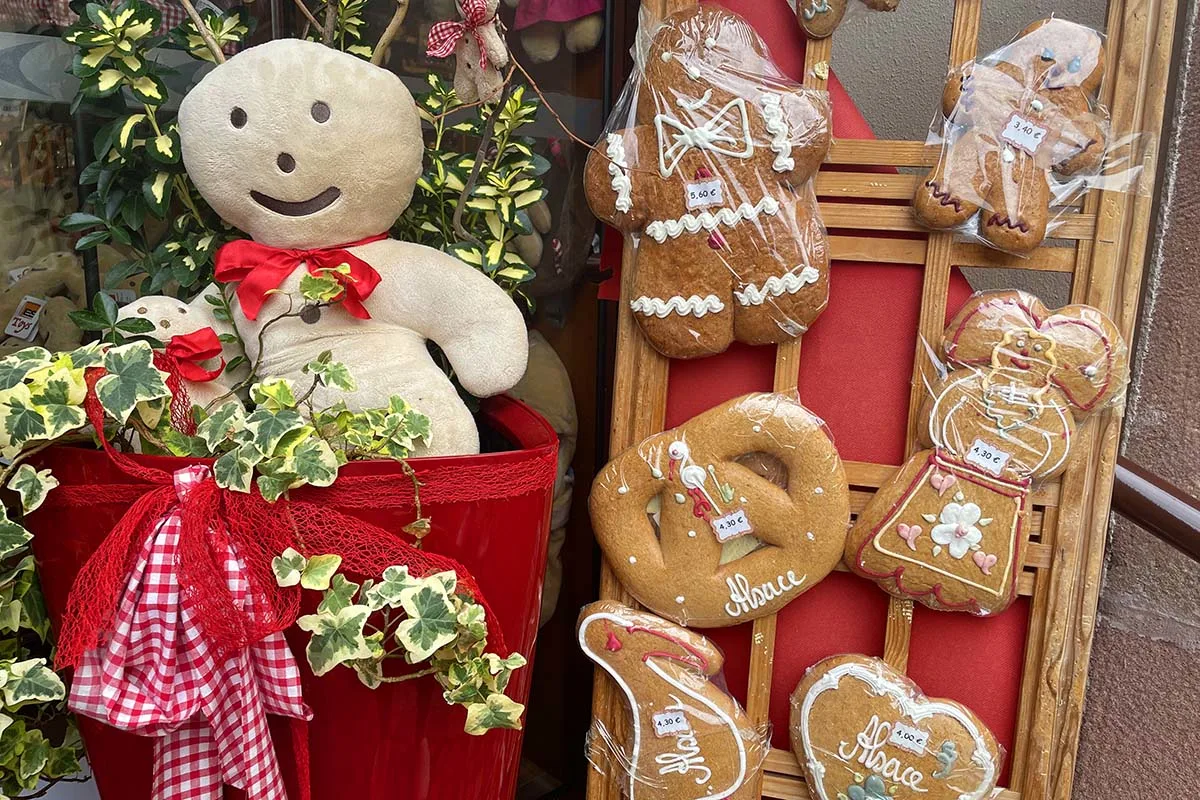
<point>1022,138</point>
<point>862,731</point>
<point>707,163</point>
<point>820,18</point>
<point>679,733</point>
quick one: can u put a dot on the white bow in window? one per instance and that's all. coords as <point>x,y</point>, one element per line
<point>727,133</point>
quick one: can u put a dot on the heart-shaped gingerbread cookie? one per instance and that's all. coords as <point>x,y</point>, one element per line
<point>862,731</point>
<point>728,517</point>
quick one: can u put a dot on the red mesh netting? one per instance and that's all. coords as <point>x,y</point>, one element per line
<point>260,531</point>
<point>181,405</point>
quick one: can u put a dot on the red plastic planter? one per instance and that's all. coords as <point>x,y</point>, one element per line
<point>402,740</point>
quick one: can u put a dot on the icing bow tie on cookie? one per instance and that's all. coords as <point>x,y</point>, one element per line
<point>260,268</point>
<point>717,135</point>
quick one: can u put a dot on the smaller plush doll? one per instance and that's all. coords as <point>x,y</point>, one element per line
<point>190,335</point>
<point>477,42</point>
<point>545,25</point>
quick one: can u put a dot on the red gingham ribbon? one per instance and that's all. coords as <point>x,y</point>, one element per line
<point>155,675</point>
<point>444,36</point>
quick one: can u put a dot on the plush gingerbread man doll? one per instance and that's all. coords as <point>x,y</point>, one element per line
<point>1012,120</point>
<point>950,528</point>
<point>714,177</point>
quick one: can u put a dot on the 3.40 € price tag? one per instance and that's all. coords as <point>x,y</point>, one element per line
<point>1023,134</point>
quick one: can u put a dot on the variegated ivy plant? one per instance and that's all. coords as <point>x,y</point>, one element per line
<point>142,198</point>
<point>417,620</point>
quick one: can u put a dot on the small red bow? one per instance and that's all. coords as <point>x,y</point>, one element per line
<point>445,36</point>
<point>261,268</point>
<point>190,349</point>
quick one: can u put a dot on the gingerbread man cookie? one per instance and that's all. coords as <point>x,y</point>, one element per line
<point>1019,125</point>
<point>862,731</point>
<point>728,517</point>
<point>714,177</point>
<point>688,740</point>
<point>820,18</point>
<point>950,528</point>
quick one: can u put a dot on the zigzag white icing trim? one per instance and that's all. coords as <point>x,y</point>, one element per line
<point>695,306</point>
<point>617,167</point>
<point>778,128</point>
<point>776,285</point>
<point>661,230</point>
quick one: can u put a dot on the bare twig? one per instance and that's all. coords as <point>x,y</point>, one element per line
<point>205,33</point>
<point>330,26</point>
<point>308,15</point>
<point>389,33</point>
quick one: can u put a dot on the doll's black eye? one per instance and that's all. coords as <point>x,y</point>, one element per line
<point>320,111</point>
<point>238,117</point>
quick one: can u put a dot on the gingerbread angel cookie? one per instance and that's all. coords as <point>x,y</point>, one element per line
<point>728,517</point>
<point>1021,130</point>
<point>711,169</point>
<point>949,530</point>
<point>862,731</point>
<point>820,18</point>
<point>688,739</point>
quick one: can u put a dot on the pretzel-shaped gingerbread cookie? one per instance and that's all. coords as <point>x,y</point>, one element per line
<point>1003,418</point>
<point>728,517</point>
<point>688,738</point>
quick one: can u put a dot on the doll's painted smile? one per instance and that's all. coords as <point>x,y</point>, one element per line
<point>300,208</point>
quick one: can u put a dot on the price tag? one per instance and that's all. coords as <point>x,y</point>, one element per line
<point>987,457</point>
<point>703,195</point>
<point>731,526</point>
<point>15,274</point>
<point>23,324</point>
<point>669,723</point>
<point>1023,134</point>
<point>909,738</point>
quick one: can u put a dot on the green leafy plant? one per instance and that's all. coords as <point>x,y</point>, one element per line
<point>142,198</point>
<point>348,28</point>
<point>409,619</point>
<point>508,182</point>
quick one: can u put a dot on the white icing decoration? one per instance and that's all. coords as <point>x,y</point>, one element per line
<point>692,105</point>
<point>1036,105</point>
<point>1009,156</point>
<point>711,136</point>
<point>622,490</point>
<point>680,498</point>
<point>818,490</point>
<point>777,126</point>
<point>776,285</point>
<point>633,559</point>
<point>916,708</point>
<point>666,56</point>
<point>656,473</point>
<point>810,536</point>
<point>744,598</point>
<point>691,534</point>
<point>661,230</point>
<point>711,41</point>
<point>725,719</point>
<point>692,71</point>
<point>757,429</point>
<point>679,599</point>
<point>618,167</point>
<point>695,306</point>
<point>868,750</point>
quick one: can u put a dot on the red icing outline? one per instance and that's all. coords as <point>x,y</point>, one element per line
<point>1041,325</point>
<point>692,651</point>
<point>959,470</point>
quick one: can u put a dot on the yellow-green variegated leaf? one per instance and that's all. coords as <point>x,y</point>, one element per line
<point>526,199</point>
<point>131,379</point>
<point>148,89</point>
<point>157,190</point>
<point>164,148</point>
<point>109,80</point>
<point>31,681</point>
<point>139,29</point>
<point>319,571</point>
<point>95,56</point>
<point>337,637</point>
<point>125,133</point>
<point>288,567</point>
<point>132,65</point>
<point>495,253</point>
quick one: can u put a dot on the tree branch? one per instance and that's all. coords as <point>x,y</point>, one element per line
<point>484,140</point>
<point>389,33</point>
<point>307,14</point>
<point>205,33</point>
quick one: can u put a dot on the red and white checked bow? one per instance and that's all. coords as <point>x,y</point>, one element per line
<point>444,36</point>
<point>155,676</point>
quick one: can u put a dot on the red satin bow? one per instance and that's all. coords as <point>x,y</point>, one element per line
<point>189,349</point>
<point>261,268</point>
<point>445,36</point>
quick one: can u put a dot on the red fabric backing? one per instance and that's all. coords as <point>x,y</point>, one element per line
<point>855,373</point>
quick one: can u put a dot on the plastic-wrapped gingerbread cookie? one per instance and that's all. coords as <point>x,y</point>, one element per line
<point>820,18</point>
<point>1021,128</point>
<point>949,530</point>
<point>687,738</point>
<point>709,162</point>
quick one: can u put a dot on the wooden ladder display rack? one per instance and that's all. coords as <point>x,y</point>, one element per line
<point>1103,247</point>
